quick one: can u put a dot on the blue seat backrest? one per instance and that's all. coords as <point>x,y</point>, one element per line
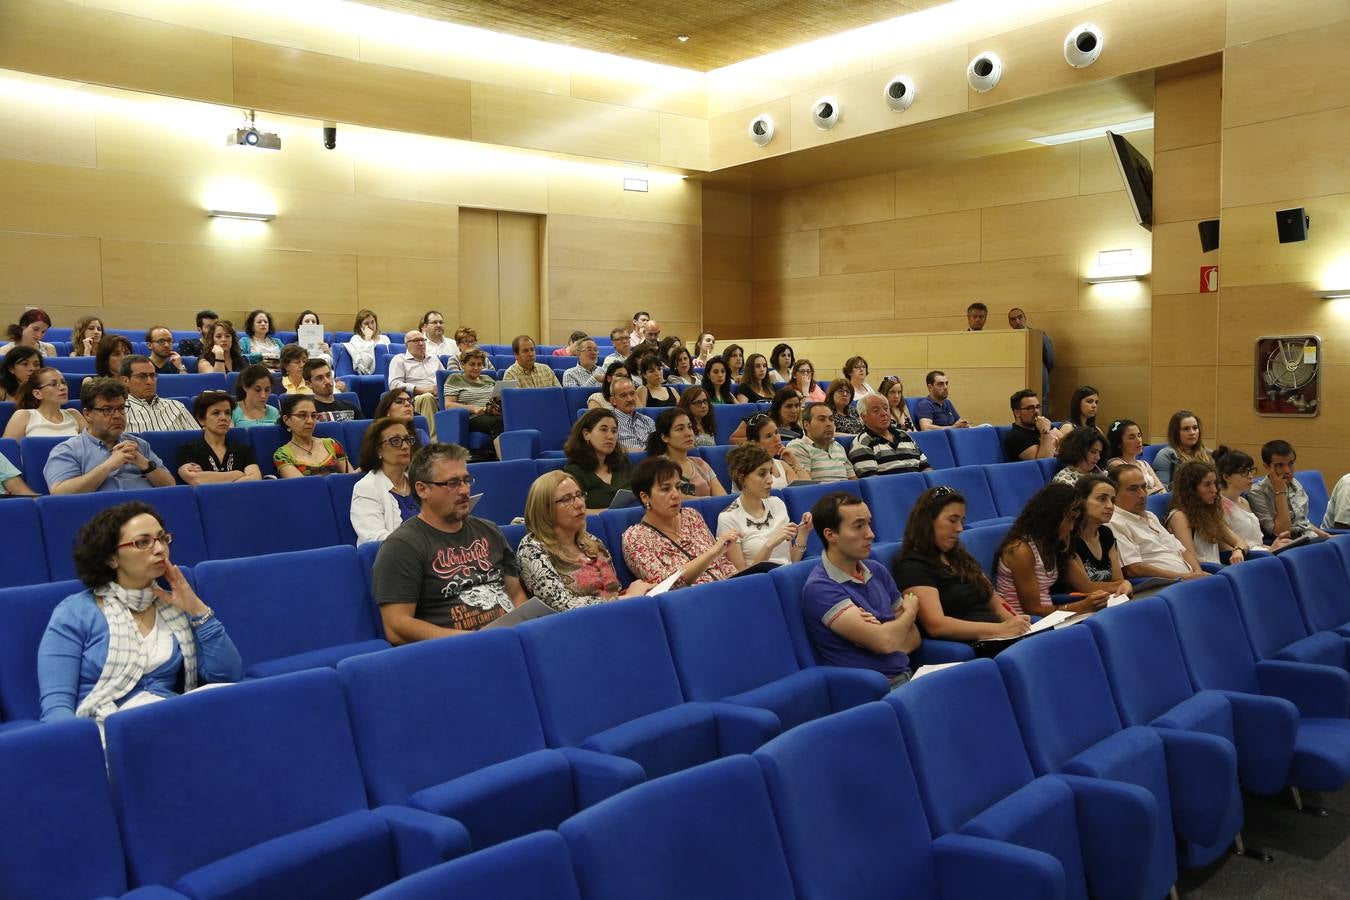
<point>353,431</point>
<point>1013,484</point>
<point>730,415</point>
<point>976,446</point>
<point>24,614</point>
<point>536,865</point>
<point>800,498</point>
<point>597,667</point>
<point>541,409</point>
<point>710,508</point>
<point>59,837</point>
<point>549,464</point>
<point>1158,505</point>
<point>789,581</point>
<point>1151,452</point>
<point>340,495</point>
<point>1213,642</point>
<point>22,527</point>
<point>936,446</point>
<point>1265,597</point>
<point>1049,466</point>
<point>7,413</point>
<point>970,481</point>
<point>490,715</point>
<point>503,361</point>
<point>727,637</point>
<point>513,534</point>
<point>982,543</point>
<point>81,364</point>
<point>63,516</point>
<point>890,498</point>
<point>283,604</point>
<point>189,385</point>
<point>574,399</point>
<point>35,451</point>
<point>265,440</point>
<point>1142,657</point>
<point>282,759</point>
<point>884,551</point>
<point>1316,489</point>
<point>251,518</point>
<point>616,522</point>
<point>166,444</point>
<point>716,456</point>
<point>1320,585</point>
<point>504,486</point>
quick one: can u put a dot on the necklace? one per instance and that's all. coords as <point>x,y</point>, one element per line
<point>307,450</point>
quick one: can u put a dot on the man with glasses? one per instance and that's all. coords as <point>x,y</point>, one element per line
<point>443,572</point>
<point>1031,436</point>
<point>623,345</point>
<point>146,411</point>
<point>162,354</point>
<point>634,427</point>
<point>432,327</point>
<point>415,372</point>
<point>103,457</point>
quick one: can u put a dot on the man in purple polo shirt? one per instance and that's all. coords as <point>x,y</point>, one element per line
<point>854,613</point>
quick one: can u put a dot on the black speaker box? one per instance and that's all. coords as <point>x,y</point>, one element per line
<point>1292,225</point>
<point>1209,235</point>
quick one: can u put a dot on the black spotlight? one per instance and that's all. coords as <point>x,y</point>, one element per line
<point>330,135</point>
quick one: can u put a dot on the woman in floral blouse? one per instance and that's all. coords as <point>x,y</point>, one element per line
<point>672,538</point>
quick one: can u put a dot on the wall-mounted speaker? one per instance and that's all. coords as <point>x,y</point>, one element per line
<point>761,129</point>
<point>984,71</point>
<point>1292,225</point>
<point>1083,45</point>
<point>1209,235</point>
<point>900,93</point>
<point>825,113</point>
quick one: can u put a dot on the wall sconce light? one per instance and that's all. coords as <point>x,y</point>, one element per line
<point>245,216</point>
<point>1110,279</point>
<point>1337,294</point>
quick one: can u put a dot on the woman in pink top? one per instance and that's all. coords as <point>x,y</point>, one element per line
<point>1029,557</point>
<point>671,538</point>
<point>674,438</point>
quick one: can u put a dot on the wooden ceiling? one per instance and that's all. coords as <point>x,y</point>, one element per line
<point>720,32</point>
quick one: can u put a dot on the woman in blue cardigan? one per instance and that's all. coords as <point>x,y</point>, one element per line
<point>124,635</point>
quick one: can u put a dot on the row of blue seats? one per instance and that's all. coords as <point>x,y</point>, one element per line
<point>1113,745</point>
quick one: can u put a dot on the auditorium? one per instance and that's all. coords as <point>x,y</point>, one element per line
<point>388,388</point>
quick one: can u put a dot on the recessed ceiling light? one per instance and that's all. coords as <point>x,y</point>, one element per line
<point>682,38</point>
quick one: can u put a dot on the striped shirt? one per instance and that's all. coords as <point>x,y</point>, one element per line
<point>577,376</point>
<point>158,414</point>
<point>830,464</point>
<point>874,454</point>
<point>634,429</point>
<point>461,390</point>
<point>539,376</point>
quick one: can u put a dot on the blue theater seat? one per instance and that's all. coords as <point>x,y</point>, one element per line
<point>605,681</point>
<point>708,833</point>
<point>535,866</point>
<point>730,642</point>
<point>982,543</point>
<point>548,465</point>
<point>1321,587</point>
<point>167,444</point>
<point>35,451</point>
<point>480,753</point>
<point>890,498</point>
<point>265,440</point>
<point>24,614</point>
<point>340,494</point>
<point>936,446</point>
<point>859,830</point>
<point>730,415</point>
<point>574,399</point>
<point>1049,466</point>
<point>1272,618</point>
<point>976,446</point>
<point>251,518</point>
<point>537,409</point>
<point>1013,484</point>
<point>716,456</point>
<point>710,508</point>
<point>291,611</point>
<point>1316,488</point>
<point>800,498</point>
<point>84,365</point>
<point>22,528</point>
<point>63,516</point>
<point>1158,504</point>
<point>504,485</point>
<point>616,522</point>
<point>971,482</point>
<point>283,813</point>
<point>188,385</point>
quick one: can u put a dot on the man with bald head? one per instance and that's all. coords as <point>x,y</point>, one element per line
<point>882,448</point>
<point>415,372</point>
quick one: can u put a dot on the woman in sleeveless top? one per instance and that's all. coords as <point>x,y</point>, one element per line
<point>1030,557</point>
<point>40,413</point>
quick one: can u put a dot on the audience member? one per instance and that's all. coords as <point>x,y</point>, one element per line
<point>639,332</point>
<point>561,563</point>
<point>652,390</point>
<point>893,389</point>
<point>804,381</point>
<point>318,376</point>
<point>977,314</point>
<point>415,371</point>
<point>11,480</point>
<point>704,348</point>
<point>839,399</point>
<point>472,390</point>
<point>818,452</point>
<point>162,355</point>
<point>383,499</point>
<point>252,390</point>
<point>763,430</point>
<point>86,334</point>
<point>1094,560</point>
<point>623,345</point>
<point>570,348</point>
<point>466,339</point>
<point>782,361</point>
<point>1279,501</point>
<point>304,454</point>
<point>695,401</point>
<point>524,372</point>
<point>222,352</point>
<point>768,534</point>
<point>653,340</point>
<point>1031,436</point>
<point>206,323</point>
<point>1184,444</point>
<point>321,350</point>
<point>717,381</point>
<point>29,331</point>
<point>398,404</point>
<point>1032,554</point>
<point>756,387</point>
<point>734,357</point>
<point>682,367</point>
<point>786,411</point>
<point>595,460</point>
<point>1082,410</point>
<point>211,459</point>
<point>259,343</point>
<point>439,343</point>
<point>600,400</point>
<point>1147,549</point>
<point>40,410</point>
<point>1079,454</point>
<point>881,448</point>
<point>365,337</point>
<point>1237,471</point>
<point>634,427</point>
<point>103,457</point>
<point>935,410</point>
<point>146,410</point>
<point>1125,447</point>
<point>956,600</point>
<point>1337,515</point>
<point>123,636</point>
<point>17,366</point>
<point>443,572</point>
<point>1017,320</point>
<point>673,438</point>
<point>293,359</point>
<point>673,538</point>
<point>855,615</point>
<point>111,351</point>
<point>1195,516</point>
<point>855,371</point>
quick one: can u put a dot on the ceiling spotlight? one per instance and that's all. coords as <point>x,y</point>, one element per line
<point>682,38</point>
<point>248,135</point>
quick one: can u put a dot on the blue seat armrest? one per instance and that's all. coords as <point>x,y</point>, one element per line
<point>597,776</point>
<point>853,687</point>
<point>153,892</point>
<point>970,866</point>
<point>743,729</point>
<point>1211,568</point>
<point>1264,730</point>
<point>521,444</point>
<point>1202,779</point>
<point>1116,826</point>
<point>423,839</point>
<point>323,658</point>
<point>933,651</point>
<point>1317,691</point>
<point>1324,648</point>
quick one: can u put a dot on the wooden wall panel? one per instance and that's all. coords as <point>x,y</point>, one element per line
<point>831,205</point>
<point>478,290</point>
<point>1252,20</point>
<point>427,178</point>
<point>594,191</point>
<point>1185,112</point>
<point>1299,156</point>
<point>359,224</point>
<point>1252,254</point>
<point>681,95</point>
<point>585,242</point>
<point>549,122</point>
<point>1253,311</point>
<point>1271,79</point>
<point>1124,392</point>
<point>1183,387</point>
<point>1096,337</point>
<point>1185,329</point>
<point>1041,173</point>
<point>611,295</point>
<point>726,213</point>
<point>1084,224</point>
<point>726,307</point>
<point>795,255</point>
<point>48,271</point>
<point>402,289</point>
<point>32,127</point>
<point>286,24</point>
<point>518,274</point>
<point>684,142</point>
<point>1184,186</point>
<point>1040,283</point>
<point>901,243</point>
<point>831,298</point>
<point>726,257</point>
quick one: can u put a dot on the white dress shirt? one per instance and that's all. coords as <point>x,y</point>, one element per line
<point>406,371</point>
<point>1143,539</point>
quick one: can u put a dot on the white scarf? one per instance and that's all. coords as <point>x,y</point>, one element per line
<point>126,660</point>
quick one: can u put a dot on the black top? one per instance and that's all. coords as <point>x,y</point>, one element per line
<point>336,411</point>
<point>238,457</point>
<point>753,396</point>
<point>672,397</point>
<point>190,347</point>
<point>1098,568</point>
<point>1019,439</point>
<point>598,494</point>
<point>960,599</point>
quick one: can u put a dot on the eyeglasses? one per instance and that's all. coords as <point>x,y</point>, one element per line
<point>453,484</point>
<point>167,340</point>
<point>145,541</point>
<point>144,376</point>
<point>570,499</point>
<point>942,491</point>
<point>60,382</point>
<point>701,401</point>
<point>1035,406</point>
<point>405,400</point>
<point>109,410</point>
<point>303,416</point>
<point>399,441</point>
<point>416,341</point>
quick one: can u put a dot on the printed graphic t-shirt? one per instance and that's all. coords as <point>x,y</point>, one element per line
<point>456,580</point>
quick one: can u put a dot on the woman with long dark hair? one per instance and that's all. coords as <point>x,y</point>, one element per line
<point>1035,550</point>
<point>674,439</point>
<point>756,387</point>
<point>595,459</point>
<point>695,401</point>
<point>1094,561</point>
<point>1125,447</point>
<point>782,362</point>
<point>16,367</point>
<point>717,381</point>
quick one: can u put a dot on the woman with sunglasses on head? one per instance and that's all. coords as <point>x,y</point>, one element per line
<point>894,391</point>
<point>1035,551</point>
<point>767,533</point>
<point>672,538</point>
<point>763,431</point>
<point>695,402</point>
<point>211,460</point>
<point>1125,447</point>
<point>40,412</point>
<point>383,499</point>
<point>1237,471</point>
<point>124,637</point>
<point>786,413</point>
<point>252,390</point>
<point>561,563</point>
<point>304,454</point>
<point>16,367</point>
<point>804,380</point>
<point>674,438</point>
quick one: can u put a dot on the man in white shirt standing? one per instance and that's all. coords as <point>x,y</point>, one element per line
<point>146,411</point>
<point>438,345</point>
<point>415,372</point>
<point>1147,549</point>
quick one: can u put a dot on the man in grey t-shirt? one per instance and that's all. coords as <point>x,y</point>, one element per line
<point>443,572</point>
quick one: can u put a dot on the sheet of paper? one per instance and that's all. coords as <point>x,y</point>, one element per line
<point>1057,617</point>
<point>309,337</point>
<point>929,670</point>
<point>1116,600</point>
<point>665,585</point>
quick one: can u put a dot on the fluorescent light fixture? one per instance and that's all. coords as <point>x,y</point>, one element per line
<point>1115,257</point>
<point>1110,279</point>
<point>236,214</point>
<point>1338,294</point>
<point>635,184</point>
<point>1070,137</point>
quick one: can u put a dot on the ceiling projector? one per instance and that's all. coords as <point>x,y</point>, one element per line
<point>252,137</point>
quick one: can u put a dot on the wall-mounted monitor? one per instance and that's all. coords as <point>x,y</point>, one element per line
<point>1137,175</point>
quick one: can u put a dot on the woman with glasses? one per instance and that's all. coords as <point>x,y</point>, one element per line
<point>252,390</point>
<point>1236,472</point>
<point>398,404</point>
<point>211,460</point>
<point>561,563</point>
<point>125,638</point>
<point>1035,551</point>
<point>304,454</point>
<point>1125,447</point>
<point>595,461</point>
<point>839,400</point>
<point>855,371</point>
<point>17,366</point>
<point>672,538</point>
<point>40,412</point>
<point>767,533</point>
<point>674,438</point>
<point>804,380</point>
<point>293,359</point>
<point>695,402</point>
<point>383,499</point>
<point>894,391</point>
<point>222,354</point>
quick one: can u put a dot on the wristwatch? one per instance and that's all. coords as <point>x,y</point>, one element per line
<point>151,466</point>
<point>198,621</point>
